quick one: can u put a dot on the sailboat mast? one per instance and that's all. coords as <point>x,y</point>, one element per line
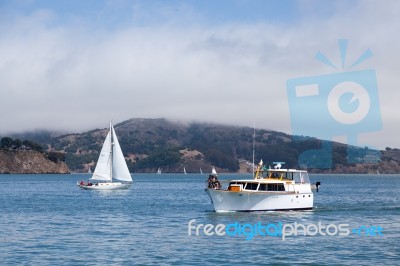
<point>254,140</point>
<point>111,152</point>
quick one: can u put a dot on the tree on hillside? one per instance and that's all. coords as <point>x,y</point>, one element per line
<point>56,156</point>
<point>16,144</point>
<point>6,143</point>
<point>32,145</point>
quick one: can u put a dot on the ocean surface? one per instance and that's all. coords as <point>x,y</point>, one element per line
<point>48,220</point>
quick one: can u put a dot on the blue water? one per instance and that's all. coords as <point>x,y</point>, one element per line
<point>48,220</point>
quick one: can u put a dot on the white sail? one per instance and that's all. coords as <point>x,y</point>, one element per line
<point>120,170</point>
<point>213,171</point>
<point>103,167</point>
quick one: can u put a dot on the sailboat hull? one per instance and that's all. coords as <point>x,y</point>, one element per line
<point>105,186</point>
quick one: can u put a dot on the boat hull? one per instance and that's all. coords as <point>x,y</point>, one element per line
<point>105,186</point>
<point>226,201</point>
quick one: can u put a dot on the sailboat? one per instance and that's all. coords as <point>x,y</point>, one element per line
<point>184,170</point>
<point>201,171</point>
<point>159,171</point>
<point>213,171</point>
<point>110,165</point>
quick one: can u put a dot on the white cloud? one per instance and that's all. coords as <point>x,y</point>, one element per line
<point>74,76</point>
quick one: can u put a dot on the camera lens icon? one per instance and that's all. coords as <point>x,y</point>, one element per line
<point>348,103</point>
<point>337,104</point>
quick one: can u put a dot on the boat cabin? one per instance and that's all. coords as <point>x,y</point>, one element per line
<point>268,189</point>
<point>271,180</point>
<point>297,176</point>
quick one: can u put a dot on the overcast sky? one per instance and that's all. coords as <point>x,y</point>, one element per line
<point>75,65</point>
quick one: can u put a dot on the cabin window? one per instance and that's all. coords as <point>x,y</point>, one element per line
<point>251,186</point>
<point>296,177</point>
<point>281,175</point>
<point>274,175</point>
<point>304,178</point>
<point>264,174</point>
<point>289,175</point>
<point>276,187</point>
<point>263,187</point>
<point>301,177</point>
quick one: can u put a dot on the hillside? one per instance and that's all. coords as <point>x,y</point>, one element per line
<point>29,162</point>
<point>149,144</point>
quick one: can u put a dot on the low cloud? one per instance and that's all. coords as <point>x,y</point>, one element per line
<point>73,76</point>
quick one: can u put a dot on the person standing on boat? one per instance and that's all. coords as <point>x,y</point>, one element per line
<point>210,181</point>
<point>217,184</point>
<point>213,182</point>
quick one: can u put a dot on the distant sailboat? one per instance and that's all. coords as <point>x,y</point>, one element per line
<point>110,165</point>
<point>201,171</point>
<point>184,170</point>
<point>159,171</point>
<point>89,170</point>
<point>213,171</point>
